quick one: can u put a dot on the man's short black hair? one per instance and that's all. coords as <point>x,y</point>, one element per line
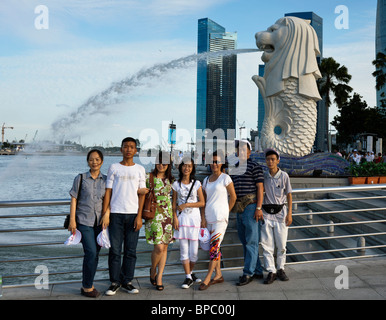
<point>271,152</point>
<point>129,139</point>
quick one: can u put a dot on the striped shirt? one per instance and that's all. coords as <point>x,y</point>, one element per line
<point>250,175</point>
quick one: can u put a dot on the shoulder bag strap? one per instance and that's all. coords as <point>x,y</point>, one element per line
<point>190,191</point>
<point>79,188</point>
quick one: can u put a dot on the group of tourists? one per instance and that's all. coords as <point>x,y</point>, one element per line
<point>185,209</point>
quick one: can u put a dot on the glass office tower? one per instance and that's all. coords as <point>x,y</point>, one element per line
<point>380,45</point>
<point>216,78</point>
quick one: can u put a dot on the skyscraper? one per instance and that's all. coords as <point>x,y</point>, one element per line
<point>380,44</point>
<point>216,78</point>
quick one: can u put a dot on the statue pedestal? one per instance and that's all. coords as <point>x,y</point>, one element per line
<point>315,164</point>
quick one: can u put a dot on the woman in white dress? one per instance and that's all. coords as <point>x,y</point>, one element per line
<point>187,199</point>
<point>216,188</point>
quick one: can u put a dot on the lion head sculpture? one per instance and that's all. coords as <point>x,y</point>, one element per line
<point>289,86</point>
<point>290,48</point>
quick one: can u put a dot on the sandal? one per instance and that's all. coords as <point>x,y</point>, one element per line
<point>203,286</point>
<point>159,287</point>
<point>219,280</point>
<point>153,281</point>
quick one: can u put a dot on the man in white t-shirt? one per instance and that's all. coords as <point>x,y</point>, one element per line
<point>124,179</point>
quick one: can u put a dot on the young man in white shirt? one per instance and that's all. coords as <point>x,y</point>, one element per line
<point>277,217</point>
<point>124,179</point>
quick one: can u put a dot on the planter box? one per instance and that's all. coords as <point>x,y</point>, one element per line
<point>382,180</point>
<point>357,180</point>
<point>372,180</point>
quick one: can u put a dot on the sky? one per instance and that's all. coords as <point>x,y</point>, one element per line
<point>97,71</point>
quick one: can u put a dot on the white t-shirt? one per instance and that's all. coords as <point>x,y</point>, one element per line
<point>216,206</point>
<point>125,182</point>
<point>182,193</point>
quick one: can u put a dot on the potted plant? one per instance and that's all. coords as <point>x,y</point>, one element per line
<point>356,174</point>
<point>370,170</point>
<point>382,172</point>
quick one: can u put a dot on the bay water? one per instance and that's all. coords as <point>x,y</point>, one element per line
<point>44,177</point>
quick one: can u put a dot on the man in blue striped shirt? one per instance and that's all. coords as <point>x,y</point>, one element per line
<point>248,180</point>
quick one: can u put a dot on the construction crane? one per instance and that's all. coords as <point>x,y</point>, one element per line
<point>241,127</point>
<point>2,132</point>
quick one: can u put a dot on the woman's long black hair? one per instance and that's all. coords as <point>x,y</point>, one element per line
<point>192,174</point>
<point>164,157</point>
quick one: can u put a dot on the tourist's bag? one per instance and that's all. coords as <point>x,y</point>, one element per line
<point>273,208</point>
<point>243,202</point>
<point>150,204</point>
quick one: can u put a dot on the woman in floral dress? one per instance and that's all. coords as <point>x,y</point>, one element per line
<point>159,231</point>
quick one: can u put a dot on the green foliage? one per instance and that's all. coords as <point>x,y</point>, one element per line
<point>367,169</point>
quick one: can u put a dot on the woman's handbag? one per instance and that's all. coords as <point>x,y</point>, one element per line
<point>150,204</point>
<point>243,202</point>
<point>67,219</point>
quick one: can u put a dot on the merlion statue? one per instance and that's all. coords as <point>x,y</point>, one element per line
<point>289,85</point>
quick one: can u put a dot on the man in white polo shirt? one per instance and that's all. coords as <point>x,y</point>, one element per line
<point>277,217</point>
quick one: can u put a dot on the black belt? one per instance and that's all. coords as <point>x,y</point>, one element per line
<point>273,208</point>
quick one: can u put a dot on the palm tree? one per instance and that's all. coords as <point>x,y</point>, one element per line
<point>334,81</point>
<point>380,75</point>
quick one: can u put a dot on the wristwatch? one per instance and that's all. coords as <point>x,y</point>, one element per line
<point>258,208</point>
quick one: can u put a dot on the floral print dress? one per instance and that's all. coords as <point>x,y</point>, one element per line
<point>160,229</point>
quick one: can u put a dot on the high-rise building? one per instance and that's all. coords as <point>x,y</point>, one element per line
<point>216,78</point>
<point>380,44</point>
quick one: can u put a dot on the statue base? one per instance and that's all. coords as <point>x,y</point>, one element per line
<point>314,164</point>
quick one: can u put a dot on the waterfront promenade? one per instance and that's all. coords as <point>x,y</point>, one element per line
<point>311,281</point>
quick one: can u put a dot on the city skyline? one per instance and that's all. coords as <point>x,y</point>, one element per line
<point>216,78</point>
<point>48,74</point>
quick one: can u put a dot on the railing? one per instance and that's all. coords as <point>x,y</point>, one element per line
<point>325,243</point>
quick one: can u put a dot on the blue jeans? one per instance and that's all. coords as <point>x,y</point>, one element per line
<point>249,233</point>
<point>121,230</point>
<point>91,253</point>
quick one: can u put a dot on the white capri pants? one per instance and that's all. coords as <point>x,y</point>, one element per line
<point>188,250</point>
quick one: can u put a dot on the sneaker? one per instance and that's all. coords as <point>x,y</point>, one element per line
<point>112,290</point>
<point>270,278</point>
<point>281,275</point>
<point>243,280</point>
<point>187,283</point>
<point>195,279</point>
<point>130,288</point>
<point>258,276</point>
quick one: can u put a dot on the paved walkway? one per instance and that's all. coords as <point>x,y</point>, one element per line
<point>312,281</point>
